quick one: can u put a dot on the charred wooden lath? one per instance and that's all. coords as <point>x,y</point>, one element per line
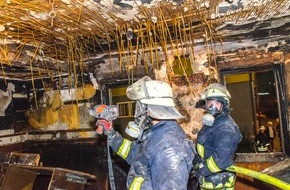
<point>48,38</point>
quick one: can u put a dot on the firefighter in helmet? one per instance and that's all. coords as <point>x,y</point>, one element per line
<point>217,140</point>
<point>262,141</point>
<point>160,156</point>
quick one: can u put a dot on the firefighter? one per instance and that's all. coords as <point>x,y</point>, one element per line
<point>160,156</point>
<point>217,140</point>
<point>262,140</point>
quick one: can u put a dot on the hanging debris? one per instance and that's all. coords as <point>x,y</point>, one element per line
<point>48,38</point>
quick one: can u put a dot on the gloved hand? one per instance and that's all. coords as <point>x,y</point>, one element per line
<point>104,126</point>
<point>103,111</point>
<point>200,177</point>
<point>196,162</point>
<point>200,104</point>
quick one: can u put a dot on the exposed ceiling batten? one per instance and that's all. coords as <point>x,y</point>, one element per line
<point>70,33</point>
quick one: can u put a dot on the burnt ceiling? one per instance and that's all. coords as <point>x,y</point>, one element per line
<point>52,38</point>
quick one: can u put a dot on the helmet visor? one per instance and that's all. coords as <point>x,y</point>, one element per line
<point>139,109</point>
<point>164,112</point>
<point>138,90</point>
<point>157,111</point>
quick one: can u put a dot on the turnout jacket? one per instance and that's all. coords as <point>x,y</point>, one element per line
<point>163,160</point>
<point>216,144</point>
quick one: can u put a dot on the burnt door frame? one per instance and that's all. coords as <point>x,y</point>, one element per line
<point>282,97</point>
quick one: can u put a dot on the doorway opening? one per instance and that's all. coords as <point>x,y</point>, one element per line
<point>259,101</point>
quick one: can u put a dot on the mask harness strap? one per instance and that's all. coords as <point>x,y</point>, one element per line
<point>141,127</point>
<point>110,167</point>
<point>144,123</point>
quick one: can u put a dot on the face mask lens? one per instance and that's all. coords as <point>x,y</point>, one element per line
<point>213,107</point>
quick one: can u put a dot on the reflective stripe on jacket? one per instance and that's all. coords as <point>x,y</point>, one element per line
<point>217,144</point>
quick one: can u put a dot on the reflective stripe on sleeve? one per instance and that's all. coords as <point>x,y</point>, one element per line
<point>124,148</point>
<point>200,150</point>
<point>231,182</point>
<point>228,185</point>
<point>262,148</point>
<point>136,184</point>
<point>212,165</point>
<point>206,185</point>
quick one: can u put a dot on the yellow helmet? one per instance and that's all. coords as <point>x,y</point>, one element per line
<point>216,91</point>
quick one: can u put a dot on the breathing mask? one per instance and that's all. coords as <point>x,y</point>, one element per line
<point>142,122</point>
<point>217,99</point>
<point>208,120</point>
<point>213,108</point>
<point>132,129</point>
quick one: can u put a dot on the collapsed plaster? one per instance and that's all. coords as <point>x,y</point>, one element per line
<point>6,98</point>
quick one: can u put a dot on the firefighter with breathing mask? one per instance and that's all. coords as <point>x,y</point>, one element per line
<point>217,140</point>
<point>161,155</point>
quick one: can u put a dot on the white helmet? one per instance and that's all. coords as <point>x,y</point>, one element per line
<point>157,95</point>
<point>262,128</point>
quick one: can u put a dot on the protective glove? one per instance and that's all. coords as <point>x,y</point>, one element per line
<point>103,111</point>
<point>200,104</point>
<point>200,177</point>
<point>104,127</point>
<point>196,162</point>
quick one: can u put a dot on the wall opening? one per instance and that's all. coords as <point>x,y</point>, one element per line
<point>259,99</point>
